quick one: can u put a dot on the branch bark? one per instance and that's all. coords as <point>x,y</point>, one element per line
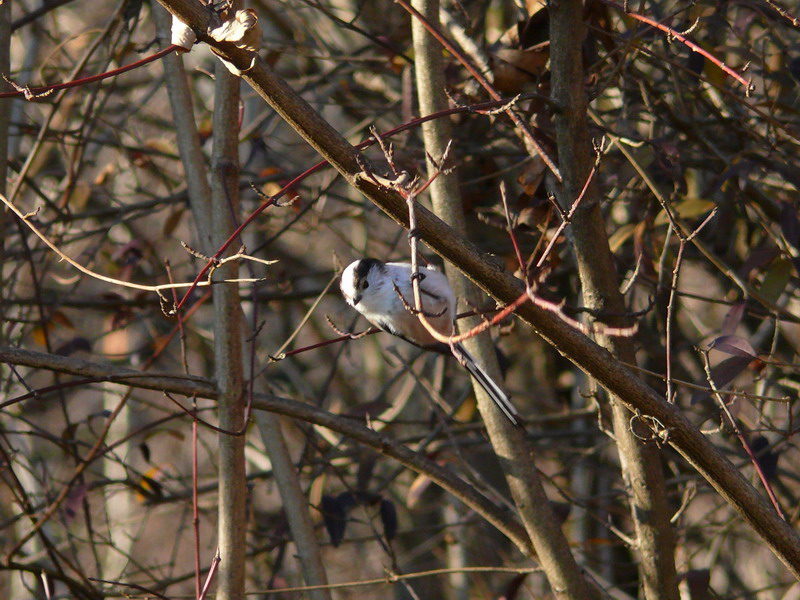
<point>295,504</point>
<point>5,118</point>
<point>187,138</point>
<point>565,576</point>
<point>294,501</point>
<point>641,464</point>
<point>228,365</point>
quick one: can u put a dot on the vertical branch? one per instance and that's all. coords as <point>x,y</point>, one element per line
<point>294,501</point>
<point>187,137</point>
<point>228,340</point>
<point>683,239</point>
<point>673,292</point>
<point>640,464</point>
<point>552,548</point>
<point>431,23</point>
<point>199,191</point>
<point>295,504</point>
<point>5,117</point>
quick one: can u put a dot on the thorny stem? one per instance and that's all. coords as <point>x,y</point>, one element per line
<point>410,193</point>
<point>784,13</point>
<point>593,327</point>
<point>376,138</point>
<point>215,260</point>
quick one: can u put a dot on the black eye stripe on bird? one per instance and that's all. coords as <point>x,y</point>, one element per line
<point>367,286</point>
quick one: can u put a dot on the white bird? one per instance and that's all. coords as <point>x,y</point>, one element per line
<point>368,285</point>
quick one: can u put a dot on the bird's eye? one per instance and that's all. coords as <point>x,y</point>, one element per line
<point>366,284</point>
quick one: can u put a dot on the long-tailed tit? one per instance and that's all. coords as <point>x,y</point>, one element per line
<point>371,287</point>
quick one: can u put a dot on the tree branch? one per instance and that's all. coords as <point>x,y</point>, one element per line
<point>202,387</point>
<point>483,270</point>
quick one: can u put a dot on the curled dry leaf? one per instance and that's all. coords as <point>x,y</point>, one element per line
<point>513,68</point>
<point>523,53</point>
<point>733,318</point>
<point>531,176</point>
<point>242,30</point>
<point>735,345</point>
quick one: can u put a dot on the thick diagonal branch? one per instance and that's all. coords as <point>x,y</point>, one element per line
<point>481,269</point>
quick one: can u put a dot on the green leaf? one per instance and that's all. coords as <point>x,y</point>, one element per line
<point>777,277</point>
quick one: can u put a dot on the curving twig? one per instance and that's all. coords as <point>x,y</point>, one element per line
<point>158,289</point>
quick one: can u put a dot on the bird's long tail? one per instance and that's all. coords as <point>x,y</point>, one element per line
<point>499,397</point>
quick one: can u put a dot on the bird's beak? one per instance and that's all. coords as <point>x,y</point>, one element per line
<point>356,299</point>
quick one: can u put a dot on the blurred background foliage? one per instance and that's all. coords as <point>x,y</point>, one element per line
<point>681,139</point>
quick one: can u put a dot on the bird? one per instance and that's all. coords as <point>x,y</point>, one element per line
<point>371,286</point>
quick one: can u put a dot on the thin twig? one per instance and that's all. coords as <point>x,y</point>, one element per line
<point>567,218</point>
<point>795,21</point>
<point>673,34</point>
<point>39,92</point>
<point>682,241</point>
<point>158,289</point>
<point>718,395</point>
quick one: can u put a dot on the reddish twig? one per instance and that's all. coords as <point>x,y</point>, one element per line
<point>375,138</point>
<point>673,34</point>
<point>511,232</point>
<point>195,419</point>
<point>567,218</point>
<point>38,92</point>
<point>408,189</point>
<point>783,12</point>
<point>212,571</point>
